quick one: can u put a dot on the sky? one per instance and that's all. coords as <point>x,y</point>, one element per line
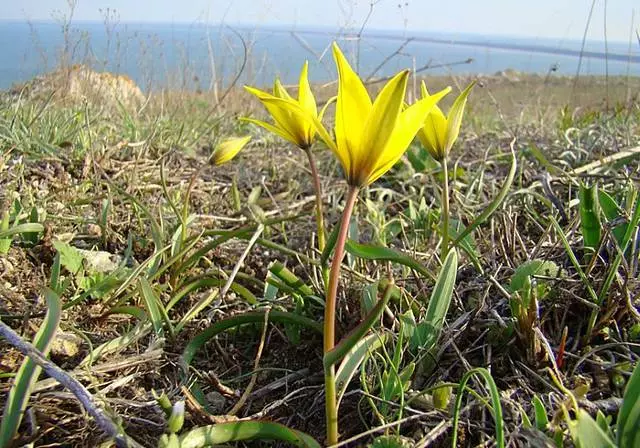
<point>564,19</point>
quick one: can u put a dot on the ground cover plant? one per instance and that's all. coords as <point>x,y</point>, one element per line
<point>180,277</point>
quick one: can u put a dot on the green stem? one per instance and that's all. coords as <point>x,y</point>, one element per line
<point>329,335</point>
<point>319,209</point>
<point>445,209</point>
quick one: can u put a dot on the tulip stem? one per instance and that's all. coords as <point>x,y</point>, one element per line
<point>318,189</point>
<point>317,186</point>
<point>330,317</point>
<point>445,209</point>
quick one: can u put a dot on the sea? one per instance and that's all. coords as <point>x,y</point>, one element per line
<point>201,56</point>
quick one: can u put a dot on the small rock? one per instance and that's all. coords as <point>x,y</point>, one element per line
<point>66,345</point>
<point>100,261</point>
<point>94,230</point>
<point>217,401</point>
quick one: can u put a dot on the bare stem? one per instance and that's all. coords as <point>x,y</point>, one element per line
<point>81,393</point>
<point>330,317</point>
<point>444,207</point>
<point>318,189</point>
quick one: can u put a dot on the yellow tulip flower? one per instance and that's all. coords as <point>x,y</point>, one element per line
<point>294,119</point>
<point>440,132</point>
<point>228,149</point>
<point>371,137</point>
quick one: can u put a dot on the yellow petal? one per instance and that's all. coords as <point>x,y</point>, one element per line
<point>352,109</point>
<point>297,111</point>
<point>271,128</point>
<point>433,134</point>
<point>228,149</point>
<point>307,100</point>
<point>305,95</point>
<point>284,115</point>
<point>454,120</point>
<point>381,124</point>
<point>410,120</point>
<point>327,104</point>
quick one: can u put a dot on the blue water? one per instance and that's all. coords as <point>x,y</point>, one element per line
<point>179,55</point>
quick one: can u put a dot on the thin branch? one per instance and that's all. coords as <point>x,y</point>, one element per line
<point>81,393</point>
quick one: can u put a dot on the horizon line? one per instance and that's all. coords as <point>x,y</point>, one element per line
<point>351,32</point>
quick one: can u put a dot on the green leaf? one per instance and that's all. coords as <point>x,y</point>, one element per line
<point>21,228</point>
<point>29,372</point>
<point>347,343</point>
<point>612,213</point>
<point>540,413</point>
<point>5,243</point>
<point>369,297</point>
<point>427,331</point>
<point>586,433</point>
<point>223,433</point>
<point>285,277</point>
<point>70,257</point>
<point>532,268</point>
<point>628,426</point>
<point>379,253</point>
<point>590,216</point>
<point>495,400</point>
<point>356,356</point>
<point>156,310</point>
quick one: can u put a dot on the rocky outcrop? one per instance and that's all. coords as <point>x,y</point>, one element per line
<point>80,83</point>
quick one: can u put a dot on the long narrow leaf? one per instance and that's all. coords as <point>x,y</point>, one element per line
<point>223,433</point>
<point>590,216</point>
<point>30,227</point>
<point>349,341</point>
<point>380,253</point>
<point>428,331</point>
<point>495,401</point>
<point>628,432</point>
<point>352,360</point>
<point>29,372</point>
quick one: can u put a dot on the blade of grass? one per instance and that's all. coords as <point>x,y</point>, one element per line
<point>496,408</point>
<point>493,205</point>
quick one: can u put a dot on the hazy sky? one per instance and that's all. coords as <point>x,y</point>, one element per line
<point>539,18</point>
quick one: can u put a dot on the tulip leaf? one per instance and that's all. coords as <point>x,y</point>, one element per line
<point>494,204</point>
<point>29,372</point>
<point>380,253</point>
<point>590,216</point>
<point>155,308</point>
<point>532,268</point>
<point>141,330</point>
<point>29,227</point>
<point>586,432</point>
<point>352,360</point>
<point>612,213</point>
<point>541,418</point>
<point>223,433</point>
<point>628,425</point>
<point>349,341</point>
<point>427,331</point>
